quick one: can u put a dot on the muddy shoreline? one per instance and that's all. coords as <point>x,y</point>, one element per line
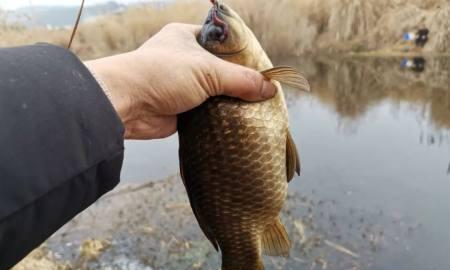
<point>151,226</point>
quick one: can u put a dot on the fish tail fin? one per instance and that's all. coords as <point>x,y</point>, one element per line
<point>275,240</point>
<point>289,76</point>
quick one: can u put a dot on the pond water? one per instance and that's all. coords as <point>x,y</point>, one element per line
<point>374,139</point>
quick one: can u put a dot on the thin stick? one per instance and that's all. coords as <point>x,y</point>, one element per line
<point>341,249</point>
<point>74,31</point>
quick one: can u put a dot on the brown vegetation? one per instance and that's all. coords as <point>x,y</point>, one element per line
<point>113,33</point>
<point>287,27</point>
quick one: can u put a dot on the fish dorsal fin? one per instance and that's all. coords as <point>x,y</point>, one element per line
<point>275,240</point>
<point>289,76</point>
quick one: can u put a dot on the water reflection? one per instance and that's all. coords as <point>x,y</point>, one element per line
<point>416,64</point>
<point>352,86</point>
<point>376,136</point>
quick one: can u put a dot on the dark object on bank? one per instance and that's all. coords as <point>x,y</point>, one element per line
<point>237,157</point>
<point>61,145</point>
<point>416,64</point>
<point>422,37</point>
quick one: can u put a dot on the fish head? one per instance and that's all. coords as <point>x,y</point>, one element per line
<point>224,32</point>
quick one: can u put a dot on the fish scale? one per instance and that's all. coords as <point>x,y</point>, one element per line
<point>237,157</point>
<point>237,163</point>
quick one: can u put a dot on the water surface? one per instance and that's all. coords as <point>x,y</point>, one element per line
<point>374,140</point>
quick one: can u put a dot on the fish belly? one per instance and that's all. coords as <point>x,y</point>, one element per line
<point>234,155</point>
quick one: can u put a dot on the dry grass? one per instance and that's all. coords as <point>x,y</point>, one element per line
<point>284,27</point>
<point>43,259</point>
<point>114,33</point>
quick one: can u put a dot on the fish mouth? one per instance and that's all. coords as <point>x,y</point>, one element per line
<point>216,29</point>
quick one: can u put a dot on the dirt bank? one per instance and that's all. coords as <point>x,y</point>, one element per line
<point>151,227</point>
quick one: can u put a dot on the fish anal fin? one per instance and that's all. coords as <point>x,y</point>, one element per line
<point>289,76</point>
<point>292,158</point>
<point>275,240</point>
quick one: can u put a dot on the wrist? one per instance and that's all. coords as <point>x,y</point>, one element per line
<point>100,82</point>
<point>113,78</point>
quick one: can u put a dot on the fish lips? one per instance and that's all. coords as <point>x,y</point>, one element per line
<point>215,28</point>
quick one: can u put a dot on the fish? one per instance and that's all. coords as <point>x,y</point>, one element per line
<point>237,157</point>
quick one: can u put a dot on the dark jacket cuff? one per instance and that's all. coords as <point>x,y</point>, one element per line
<point>61,141</point>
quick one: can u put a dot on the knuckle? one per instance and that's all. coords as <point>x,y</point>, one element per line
<point>172,25</point>
<point>213,81</point>
<point>178,26</point>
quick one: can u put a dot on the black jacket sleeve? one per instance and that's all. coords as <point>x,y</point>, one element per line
<point>61,145</point>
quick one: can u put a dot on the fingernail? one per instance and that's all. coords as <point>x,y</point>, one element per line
<point>268,90</point>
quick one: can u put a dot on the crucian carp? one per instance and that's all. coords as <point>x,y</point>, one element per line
<point>237,157</point>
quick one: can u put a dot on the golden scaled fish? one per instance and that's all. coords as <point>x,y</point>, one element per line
<point>237,157</point>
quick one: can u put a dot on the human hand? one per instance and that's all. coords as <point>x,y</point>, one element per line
<point>171,74</point>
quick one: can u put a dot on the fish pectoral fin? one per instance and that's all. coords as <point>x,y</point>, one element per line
<point>292,158</point>
<point>275,240</point>
<point>289,76</point>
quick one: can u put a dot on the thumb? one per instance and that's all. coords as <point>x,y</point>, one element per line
<point>242,82</point>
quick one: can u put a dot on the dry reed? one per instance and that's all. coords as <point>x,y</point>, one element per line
<point>284,27</point>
